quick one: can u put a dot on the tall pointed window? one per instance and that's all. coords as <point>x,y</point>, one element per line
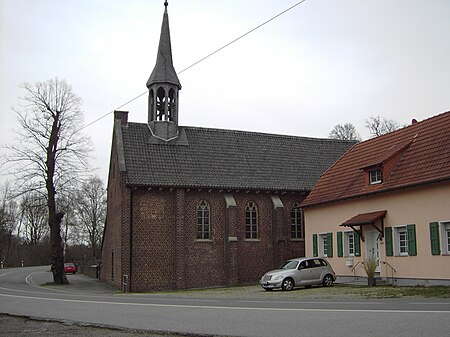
<point>296,221</point>
<point>171,106</point>
<point>251,221</point>
<point>203,220</point>
<point>160,104</point>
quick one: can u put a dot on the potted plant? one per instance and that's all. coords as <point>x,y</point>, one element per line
<point>370,264</point>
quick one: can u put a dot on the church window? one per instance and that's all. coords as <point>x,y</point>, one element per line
<point>296,222</point>
<point>251,221</point>
<point>203,220</point>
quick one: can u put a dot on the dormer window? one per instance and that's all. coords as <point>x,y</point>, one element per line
<point>375,177</point>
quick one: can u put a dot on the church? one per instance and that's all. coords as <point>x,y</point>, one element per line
<point>192,207</point>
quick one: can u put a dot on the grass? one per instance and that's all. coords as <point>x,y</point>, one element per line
<point>334,292</point>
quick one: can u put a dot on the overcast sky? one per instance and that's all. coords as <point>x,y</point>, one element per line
<point>323,63</point>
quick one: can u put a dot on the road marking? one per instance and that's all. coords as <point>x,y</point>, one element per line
<point>5,274</point>
<point>209,307</point>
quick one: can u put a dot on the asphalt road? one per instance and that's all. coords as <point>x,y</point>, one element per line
<point>22,292</point>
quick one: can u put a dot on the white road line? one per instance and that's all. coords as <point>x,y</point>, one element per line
<point>231,308</point>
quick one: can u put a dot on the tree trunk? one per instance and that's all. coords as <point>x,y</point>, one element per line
<point>59,277</point>
<point>54,218</point>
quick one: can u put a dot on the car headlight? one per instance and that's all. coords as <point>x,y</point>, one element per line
<point>279,277</point>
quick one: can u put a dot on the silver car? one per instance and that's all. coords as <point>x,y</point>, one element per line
<point>304,271</point>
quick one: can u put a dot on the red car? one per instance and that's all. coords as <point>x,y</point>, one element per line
<point>70,268</point>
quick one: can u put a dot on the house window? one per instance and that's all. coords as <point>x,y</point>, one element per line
<point>448,240</point>
<point>296,222</point>
<point>445,230</point>
<point>203,223</point>
<point>375,177</point>
<point>349,244</point>
<point>405,240</point>
<point>323,245</point>
<point>251,221</point>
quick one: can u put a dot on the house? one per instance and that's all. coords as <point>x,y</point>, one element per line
<point>388,197</point>
<point>191,207</point>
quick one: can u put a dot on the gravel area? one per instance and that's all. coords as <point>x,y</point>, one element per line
<point>21,326</point>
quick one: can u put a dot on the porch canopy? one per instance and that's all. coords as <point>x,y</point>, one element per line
<point>358,221</point>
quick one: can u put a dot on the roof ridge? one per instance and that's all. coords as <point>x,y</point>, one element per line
<point>258,133</point>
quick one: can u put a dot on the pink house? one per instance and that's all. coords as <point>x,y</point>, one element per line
<point>387,198</point>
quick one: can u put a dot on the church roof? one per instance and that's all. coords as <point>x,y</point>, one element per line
<point>228,159</point>
<point>164,71</point>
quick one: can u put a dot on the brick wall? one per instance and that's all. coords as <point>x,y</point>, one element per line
<point>111,271</point>
<point>167,255</point>
<point>153,260</point>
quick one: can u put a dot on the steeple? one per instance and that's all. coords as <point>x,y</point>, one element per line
<point>163,85</point>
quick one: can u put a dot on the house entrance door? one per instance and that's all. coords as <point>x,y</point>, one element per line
<point>373,247</point>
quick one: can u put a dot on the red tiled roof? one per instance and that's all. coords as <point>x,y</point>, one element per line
<point>364,219</point>
<point>415,155</point>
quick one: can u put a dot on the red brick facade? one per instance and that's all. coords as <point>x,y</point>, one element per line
<point>158,248</point>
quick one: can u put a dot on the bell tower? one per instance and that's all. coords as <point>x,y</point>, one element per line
<point>163,85</point>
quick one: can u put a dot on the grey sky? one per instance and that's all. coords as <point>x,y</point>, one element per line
<point>324,62</point>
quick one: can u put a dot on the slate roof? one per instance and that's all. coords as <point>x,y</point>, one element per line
<point>415,155</point>
<point>164,71</point>
<point>228,159</point>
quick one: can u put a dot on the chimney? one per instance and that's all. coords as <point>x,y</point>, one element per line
<point>122,115</point>
<point>414,121</point>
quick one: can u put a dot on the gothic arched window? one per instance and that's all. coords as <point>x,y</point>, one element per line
<point>171,105</point>
<point>251,221</point>
<point>296,221</point>
<point>160,104</point>
<point>203,220</point>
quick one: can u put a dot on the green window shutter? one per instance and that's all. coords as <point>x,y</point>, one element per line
<point>315,245</point>
<point>339,244</point>
<point>412,244</point>
<point>356,237</point>
<point>329,244</point>
<point>388,241</point>
<point>434,237</point>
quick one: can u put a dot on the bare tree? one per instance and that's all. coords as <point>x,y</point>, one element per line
<point>91,211</point>
<point>34,217</point>
<point>8,224</point>
<point>51,153</point>
<point>380,125</point>
<point>344,132</point>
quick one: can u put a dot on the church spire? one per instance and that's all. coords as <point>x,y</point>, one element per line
<point>164,72</point>
<point>163,85</point>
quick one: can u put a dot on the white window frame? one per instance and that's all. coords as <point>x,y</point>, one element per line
<point>349,243</point>
<point>375,177</point>
<point>322,244</point>
<point>445,237</point>
<point>398,232</point>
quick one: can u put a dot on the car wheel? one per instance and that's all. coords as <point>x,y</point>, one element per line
<point>288,284</point>
<point>327,280</point>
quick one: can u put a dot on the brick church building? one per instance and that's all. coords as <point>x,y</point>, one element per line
<point>192,207</point>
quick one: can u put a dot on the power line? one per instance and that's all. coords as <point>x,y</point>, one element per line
<point>201,60</point>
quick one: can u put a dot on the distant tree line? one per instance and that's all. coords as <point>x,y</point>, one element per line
<point>376,125</point>
<point>24,230</point>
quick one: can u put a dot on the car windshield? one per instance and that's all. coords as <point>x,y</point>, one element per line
<point>289,265</point>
